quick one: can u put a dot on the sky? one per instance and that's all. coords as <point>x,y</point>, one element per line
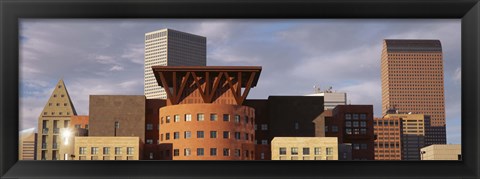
<point>105,56</point>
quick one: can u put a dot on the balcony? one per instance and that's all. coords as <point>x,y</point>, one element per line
<point>55,145</point>
<point>56,130</point>
<point>44,145</point>
<point>45,131</point>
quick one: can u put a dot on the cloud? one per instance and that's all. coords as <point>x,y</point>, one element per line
<point>457,76</point>
<point>106,56</point>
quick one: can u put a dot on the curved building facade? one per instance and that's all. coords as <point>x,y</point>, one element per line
<point>205,118</point>
<point>208,131</point>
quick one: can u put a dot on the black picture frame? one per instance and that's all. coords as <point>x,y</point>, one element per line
<point>12,10</point>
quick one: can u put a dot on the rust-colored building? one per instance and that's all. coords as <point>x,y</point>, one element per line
<point>412,81</point>
<point>204,117</point>
<point>352,124</point>
<point>388,144</point>
<point>79,125</point>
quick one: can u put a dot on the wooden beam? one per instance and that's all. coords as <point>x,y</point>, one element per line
<point>166,88</point>
<point>247,87</point>
<point>182,87</point>
<point>239,83</point>
<point>197,82</point>
<point>232,88</point>
<point>174,76</point>
<point>215,86</point>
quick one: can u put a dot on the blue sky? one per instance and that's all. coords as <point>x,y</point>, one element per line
<point>106,57</point>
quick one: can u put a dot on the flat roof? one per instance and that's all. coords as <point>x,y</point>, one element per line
<point>213,72</point>
<point>413,45</point>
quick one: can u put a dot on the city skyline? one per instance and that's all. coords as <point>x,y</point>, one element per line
<point>274,44</point>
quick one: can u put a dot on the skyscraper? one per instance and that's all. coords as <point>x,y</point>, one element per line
<point>167,47</point>
<point>55,115</point>
<point>412,80</point>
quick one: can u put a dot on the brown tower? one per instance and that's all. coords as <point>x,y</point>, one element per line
<point>412,80</point>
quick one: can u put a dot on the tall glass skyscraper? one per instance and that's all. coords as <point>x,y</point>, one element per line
<point>167,47</point>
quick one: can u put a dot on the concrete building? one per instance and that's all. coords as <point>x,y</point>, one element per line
<point>283,116</point>
<point>107,148</point>
<point>117,115</point>
<point>331,98</point>
<point>442,152</point>
<point>351,124</point>
<point>27,144</point>
<point>388,143</point>
<point>55,116</point>
<point>304,148</point>
<point>204,117</point>
<point>412,81</point>
<point>413,133</point>
<point>167,47</point>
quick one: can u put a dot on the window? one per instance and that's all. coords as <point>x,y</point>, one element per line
<point>264,142</point>
<point>255,127</point>
<point>237,118</point>
<point>348,123</point>
<point>200,134</point>
<point>66,123</point>
<point>348,116</point>
<point>149,141</point>
<point>262,155</point>
<point>294,151</point>
<point>167,136</point>
<point>306,151</point>
<point>363,124</point>
<point>226,152</point>
<point>356,146</point>
<point>348,130</point>
<point>213,117</point>
<point>200,151</point>
<point>213,134</point>
<point>237,135</point>
<point>151,155</point>
<point>237,152</point>
<point>94,150</point>
<point>176,135</point>
<point>326,128</point>
<point>226,117</point>
<point>283,151</point>
<point>363,131</point>
<point>363,116</point>
<point>246,136</point>
<point>355,123</point>
<point>187,152</point>
<point>334,128</point>
<point>355,116</point>
<point>106,150</point>
<point>77,126</point>
<point>149,127</point>
<point>176,118</point>
<point>129,150</point>
<point>363,146</point>
<point>117,125</point>
<point>64,104</point>
<point>329,151</point>
<point>213,151</point>
<point>188,134</point>
<point>296,126</point>
<point>316,150</point>
<point>356,131</point>
<point>200,117</point>
<point>264,127</point>
<point>188,117</point>
<point>167,119</point>
<point>176,152</point>
<point>118,150</point>
<point>246,120</point>
<point>83,150</point>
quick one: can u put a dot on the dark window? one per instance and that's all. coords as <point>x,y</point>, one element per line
<point>213,134</point>
<point>226,134</point>
<point>200,134</point>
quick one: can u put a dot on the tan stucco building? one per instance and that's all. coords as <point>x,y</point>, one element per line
<point>26,144</point>
<point>304,148</point>
<point>442,152</point>
<point>107,148</point>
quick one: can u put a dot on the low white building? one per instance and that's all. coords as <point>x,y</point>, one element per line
<point>441,152</point>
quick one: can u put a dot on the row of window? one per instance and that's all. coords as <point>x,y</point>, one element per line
<point>201,117</point>
<point>53,113</point>
<point>355,116</point>
<point>212,152</point>
<point>356,131</point>
<point>213,135</point>
<point>305,151</point>
<point>106,150</point>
